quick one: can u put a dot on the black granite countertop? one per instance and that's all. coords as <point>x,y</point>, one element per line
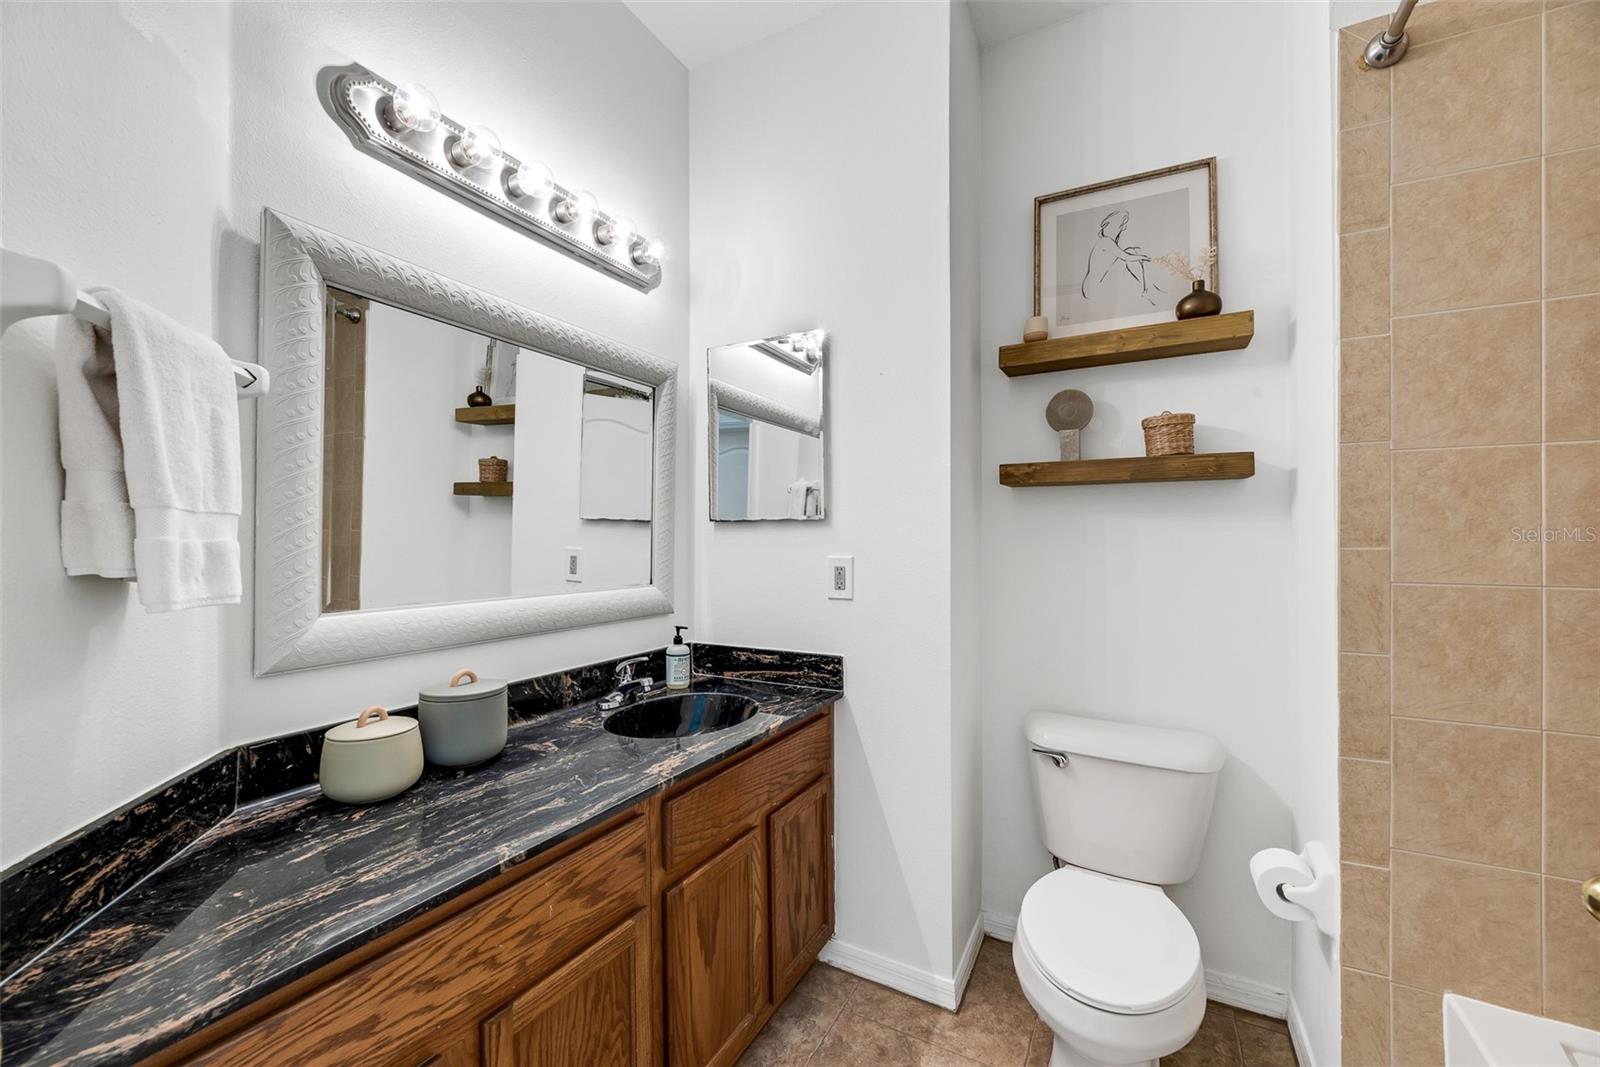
<point>282,887</point>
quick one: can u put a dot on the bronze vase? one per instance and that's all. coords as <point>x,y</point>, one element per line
<point>1199,303</point>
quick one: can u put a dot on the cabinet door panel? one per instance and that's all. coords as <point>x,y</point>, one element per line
<point>592,1012</point>
<point>800,843</point>
<point>716,956</point>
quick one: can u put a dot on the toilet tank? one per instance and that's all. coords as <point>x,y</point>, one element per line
<point>1126,800</point>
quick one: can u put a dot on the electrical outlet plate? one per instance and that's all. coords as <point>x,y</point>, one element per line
<point>574,565</point>
<point>841,577</point>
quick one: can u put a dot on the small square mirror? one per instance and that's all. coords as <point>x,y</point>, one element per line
<point>767,402</point>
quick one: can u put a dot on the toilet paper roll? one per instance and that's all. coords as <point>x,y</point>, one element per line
<point>1272,867</point>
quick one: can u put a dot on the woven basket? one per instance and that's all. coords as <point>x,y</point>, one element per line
<point>1167,434</point>
<point>492,469</point>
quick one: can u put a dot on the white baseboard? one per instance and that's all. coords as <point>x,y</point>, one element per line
<point>924,985</point>
<point>969,958</point>
<point>1244,993</point>
<point>1223,988</point>
<point>1001,927</point>
<point>1298,1036</point>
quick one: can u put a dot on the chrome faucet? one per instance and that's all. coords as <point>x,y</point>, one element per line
<point>628,687</point>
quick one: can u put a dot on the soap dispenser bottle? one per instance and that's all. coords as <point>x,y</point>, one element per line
<point>678,661</point>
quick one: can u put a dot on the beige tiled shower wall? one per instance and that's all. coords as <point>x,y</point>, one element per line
<point>1469,629</point>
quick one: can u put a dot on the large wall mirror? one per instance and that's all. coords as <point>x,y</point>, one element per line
<point>379,532</point>
<point>766,408</point>
<point>412,405</point>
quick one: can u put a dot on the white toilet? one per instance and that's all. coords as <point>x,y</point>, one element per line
<point>1109,963</point>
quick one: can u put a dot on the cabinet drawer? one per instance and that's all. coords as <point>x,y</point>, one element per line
<point>389,1010</point>
<point>706,816</point>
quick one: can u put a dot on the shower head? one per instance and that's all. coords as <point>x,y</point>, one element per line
<point>1389,45</point>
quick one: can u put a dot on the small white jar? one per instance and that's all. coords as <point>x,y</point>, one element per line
<point>374,757</point>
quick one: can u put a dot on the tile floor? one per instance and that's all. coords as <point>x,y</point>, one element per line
<point>833,1019</point>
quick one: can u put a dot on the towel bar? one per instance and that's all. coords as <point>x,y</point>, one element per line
<point>33,287</point>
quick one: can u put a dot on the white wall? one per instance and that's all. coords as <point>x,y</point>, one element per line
<point>967,367</point>
<point>1172,604</point>
<point>819,163</point>
<point>97,700</point>
<point>202,115</point>
<point>1314,808</point>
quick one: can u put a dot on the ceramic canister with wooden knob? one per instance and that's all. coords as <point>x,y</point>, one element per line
<point>372,758</point>
<point>464,722</point>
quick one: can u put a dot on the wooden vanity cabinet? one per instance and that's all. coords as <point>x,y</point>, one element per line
<point>743,848</point>
<point>666,938</point>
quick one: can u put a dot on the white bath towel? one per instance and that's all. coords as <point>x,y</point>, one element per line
<point>179,416</point>
<point>96,521</point>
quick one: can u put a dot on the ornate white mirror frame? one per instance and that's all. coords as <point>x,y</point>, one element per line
<point>297,261</point>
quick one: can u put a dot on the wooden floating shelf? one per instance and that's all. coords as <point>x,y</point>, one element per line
<point>1204,467</point>
<point>1187,337</point>
<point>491,415</point>
<point>483,489</point>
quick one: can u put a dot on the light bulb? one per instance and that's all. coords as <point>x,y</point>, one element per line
<point>413,108</point>
<point>615,231</point>
<point>648,250</point>
<point>532,180</point>
<point>475,147</point>
<point>576,205</point>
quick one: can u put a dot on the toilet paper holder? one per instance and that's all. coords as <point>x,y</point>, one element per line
<point>1299,886</point>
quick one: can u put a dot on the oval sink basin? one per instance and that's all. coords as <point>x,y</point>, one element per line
<point>681,716</point>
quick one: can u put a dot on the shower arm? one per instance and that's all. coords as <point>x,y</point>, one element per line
<point>1386,49</point>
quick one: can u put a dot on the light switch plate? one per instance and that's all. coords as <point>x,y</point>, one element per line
<point>574,565</point>
<point>841,577</point>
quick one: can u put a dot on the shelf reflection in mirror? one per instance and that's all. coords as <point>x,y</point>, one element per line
<point>400,437</point>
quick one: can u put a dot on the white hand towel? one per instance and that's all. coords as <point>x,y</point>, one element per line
<point>180,443</point>
<point>795,502</point>
<point>96,521</point>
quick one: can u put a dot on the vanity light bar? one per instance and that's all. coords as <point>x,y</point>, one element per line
<point>403,126</point>
<point>802,351</point>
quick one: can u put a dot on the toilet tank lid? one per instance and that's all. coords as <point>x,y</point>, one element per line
<point>1125,742</point>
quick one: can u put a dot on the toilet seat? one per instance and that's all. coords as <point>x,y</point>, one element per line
<point>1115,945</point>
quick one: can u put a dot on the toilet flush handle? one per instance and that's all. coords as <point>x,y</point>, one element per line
<point>1058,758</point>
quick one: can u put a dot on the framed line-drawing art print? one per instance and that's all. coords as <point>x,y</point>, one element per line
<point>1095,247</point>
